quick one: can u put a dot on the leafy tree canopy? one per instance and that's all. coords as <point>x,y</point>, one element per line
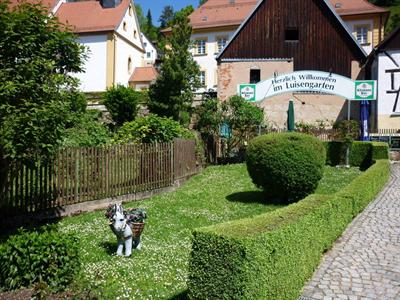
<point>37,91</point>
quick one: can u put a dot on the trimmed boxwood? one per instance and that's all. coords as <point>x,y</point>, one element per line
<point>271,256</point>
<point>362,154</point>
<point>288,166</point>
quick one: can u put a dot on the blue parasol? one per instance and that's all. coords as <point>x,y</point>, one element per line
<point>364,120</point>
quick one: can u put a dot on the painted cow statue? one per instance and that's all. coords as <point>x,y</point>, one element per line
<point>127,226</point>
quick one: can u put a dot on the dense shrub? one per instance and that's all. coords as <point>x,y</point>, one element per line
<point>288,166</point>
<point>151,128</point>
<point>362,154</point>
<point>86,130</point>
<point>123,103</point>
<point>45,256</point>
<point>272,255</point>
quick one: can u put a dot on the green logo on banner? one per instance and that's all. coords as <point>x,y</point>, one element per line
<point>248,91</point>
<point>365,90</point>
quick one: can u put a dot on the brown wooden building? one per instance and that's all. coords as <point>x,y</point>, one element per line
<point>283,36</point>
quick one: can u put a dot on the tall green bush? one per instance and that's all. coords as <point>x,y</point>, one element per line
<point>122,103</point>
<point>86,130</point>
<point>288,166</point>
<point>150,129</point>
<point>44,255</point>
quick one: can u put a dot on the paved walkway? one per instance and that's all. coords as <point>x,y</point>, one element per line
<point>365,261</point>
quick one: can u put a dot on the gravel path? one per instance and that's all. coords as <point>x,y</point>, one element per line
<point>365,261</point>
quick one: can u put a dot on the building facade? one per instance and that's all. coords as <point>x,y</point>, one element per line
<point>384,66</point>
<point>110,31</point>
<point>277,39</point>
<point>151,54</point>
<point>215,22</point>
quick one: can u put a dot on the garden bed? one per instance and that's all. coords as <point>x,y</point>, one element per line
<point>160,269</point>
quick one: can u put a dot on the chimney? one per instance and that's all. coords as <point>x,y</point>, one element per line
<point>110,3</point>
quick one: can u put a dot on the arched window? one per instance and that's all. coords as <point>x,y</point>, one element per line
<point>135,34</point>
<point>129,65</point>
<point>130,10</point>
<point>124,26</point>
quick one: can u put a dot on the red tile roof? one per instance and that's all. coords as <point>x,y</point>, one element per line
<point>90,16</point>
<point>144,74</point>
<point>50,4</point>
<point>355,7</point>
<point>216,13</point>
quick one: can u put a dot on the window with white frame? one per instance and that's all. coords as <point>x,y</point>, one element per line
<point>200,46</point>
<point>203,78</point>
<point>221,42</point>
<point>362,34</point>
<point>148,54</point>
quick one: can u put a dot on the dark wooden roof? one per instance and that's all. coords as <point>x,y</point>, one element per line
<point>324,43</point>
<point>391,42</point>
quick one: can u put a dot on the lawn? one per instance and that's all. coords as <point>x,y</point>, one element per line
<point>159,270</point>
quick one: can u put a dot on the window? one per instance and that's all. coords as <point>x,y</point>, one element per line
<point>255,75</point>
<point>145,44</point>
<point>292,35</point>
<point>362,34</point>
<point>135,34</point>
<point>221,42</point>
<point>200,47</point>
<point>129,65</point>
<point>130,10</point>
<point>203,78</point>
<point>124,26</point>
<point>148,54</point>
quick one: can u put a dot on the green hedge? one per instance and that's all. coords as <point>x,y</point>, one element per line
<point>272,255</point>
<point>44,254</point>
<point>362,154</point>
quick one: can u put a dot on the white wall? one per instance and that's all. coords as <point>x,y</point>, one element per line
<point>207,62</point>
<point>386,101</point>
<point>132,31</point>
<point>150,50</point>
<point>123,51</point>
<point>95,75</point>
<point>352,24</point>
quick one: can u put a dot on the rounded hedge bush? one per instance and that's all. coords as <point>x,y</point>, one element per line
<point>288,166</point>
<point>42,255</point>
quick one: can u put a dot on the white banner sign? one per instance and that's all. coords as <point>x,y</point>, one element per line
<point>306,81</point>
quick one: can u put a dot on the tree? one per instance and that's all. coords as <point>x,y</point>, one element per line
<point>140,16</point>
<point>150,30</point>
<point>122,103</point>
<point>238,117</point>
<point>166,16</point>
<point>172,93</point>
<point>385,3</point>
<point>201,2</point>
<point>38,56</point>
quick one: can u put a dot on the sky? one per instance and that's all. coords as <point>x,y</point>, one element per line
<point>156,6</point>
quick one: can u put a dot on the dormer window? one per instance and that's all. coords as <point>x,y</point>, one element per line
<point>204,19</point>
<point>338,5</point>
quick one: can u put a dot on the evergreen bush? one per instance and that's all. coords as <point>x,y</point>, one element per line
<point>45,256</point>
<point>150,129</point>
<point>288,166</point>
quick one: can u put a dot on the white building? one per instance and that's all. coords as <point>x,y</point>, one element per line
<point>110,30</point>
<point>150,56</point>
<point>385,68</point>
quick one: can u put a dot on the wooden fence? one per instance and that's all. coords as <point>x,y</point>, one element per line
<point>84,174</point>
